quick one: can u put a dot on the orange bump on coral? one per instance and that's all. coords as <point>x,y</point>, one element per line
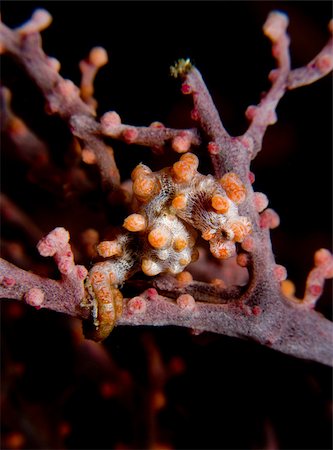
<point>179,202</point>
<point>183,171</point>
<point>222,250</point>
<point>88,156</point>
<point>179,244</point>
<point>135,222</point>
<point>275,25</point>
<point>207,235</point>
<point>233,187</point>
<point>322,256</point>
<point>34,297</point>
<point>260,201</point>
<point>109,248</point>
<point>240,228</point>
<point>40,20</point>
<point>130,134</point>
<point>137,305</point>
<point>159,237</point>
<point>144,187</point>
<point>220,203</point>
<point>280,272</point>
<point>181,144</point>
<point>288,289</point>
<point>269,219</point>
<point>218,282</point>
<point>98,56</point>
<point>109,120</point>
<point>184,277</point>
<point>242,259</point>
<point>248,244</point>
<point>191,159</point>
<point>185,261</point>
<point>54,63</point>
<point>186,302</point>
<point>140,170</point>
<point>150,267</point>
<point>158,125</point>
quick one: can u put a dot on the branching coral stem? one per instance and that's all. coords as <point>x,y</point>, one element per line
<point>283,327</point>
<point>260,311</point>
<point>62,96</point>
<point>291,331</point>
<point>62,296</point>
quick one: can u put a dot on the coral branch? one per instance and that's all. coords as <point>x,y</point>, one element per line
<point>63,296</point>
<point>323,270</point>
<point>170,208</point>
<point>29,147</point>
<point>264,114</point>
<point>62,96</point>
<point>280,326</point>
<point>320,66</point>
<point>221,144</point>
<point>14,215</point>
<point>154,136</point>
<point>89,67</point>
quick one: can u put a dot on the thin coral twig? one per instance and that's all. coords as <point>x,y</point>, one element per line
<point>317,68</point>
<point>155,135</point>
<point>63,296</point>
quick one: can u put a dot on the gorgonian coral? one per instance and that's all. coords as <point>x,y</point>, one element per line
<point>171,210</point>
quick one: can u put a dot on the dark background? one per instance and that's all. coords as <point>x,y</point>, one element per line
<point>225,393</point>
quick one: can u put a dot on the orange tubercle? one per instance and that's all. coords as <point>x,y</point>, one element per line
<point>280,272</point>
<point>223,250</point>
<point>179,244</point>
<point>220,203</point>
<point>260,201</point>
<point>186,302</point>
<point>135,222</point>
<point>139,170</point>
<point>98,57</point>
<point>88,156</point>
<point>150,267</point>
<point>183,172</point>
<point>248,244</point>
<point>191,159</point>
<point>218,282</point>
<point>288,288</point>
<point>184,277</point>
<point>322,256</point>
<point>159,237</point>
<point>109,248</point>
<point>233,187</point>
<point>185,261</point>
<point>240,228</point>
<point>242,259</point>
<point>144,187</point>
<point>179,202</point>
<point>208,235</point>
<point>181,144</point>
